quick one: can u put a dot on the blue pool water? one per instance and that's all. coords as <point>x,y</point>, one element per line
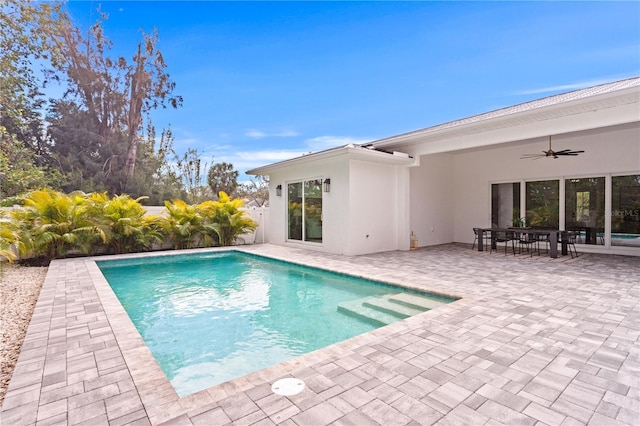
<point>209,318</point>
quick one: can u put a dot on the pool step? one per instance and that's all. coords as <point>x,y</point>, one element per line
<point>355,308</point>
<point>383,310</point>
<point>384,304</point>
<point>415,301</point>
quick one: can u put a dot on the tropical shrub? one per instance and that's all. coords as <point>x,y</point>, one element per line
<point>229,221</point>
<point>183,224</point>
<point>10,241</point>
<point>126,226</point>
<point>51,224</point>
<point>207,212</point>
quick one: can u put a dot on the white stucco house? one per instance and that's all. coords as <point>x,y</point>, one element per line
<point>440,182</point>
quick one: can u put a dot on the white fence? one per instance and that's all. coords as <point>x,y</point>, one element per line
<point>261,234</point>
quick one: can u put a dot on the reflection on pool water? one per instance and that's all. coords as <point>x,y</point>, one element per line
<point>627,240</point>
<point>209,318</point>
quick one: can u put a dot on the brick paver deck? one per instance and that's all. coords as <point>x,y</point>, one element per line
<point>531,341</point>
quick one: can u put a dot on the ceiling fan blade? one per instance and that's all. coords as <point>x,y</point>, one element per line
<point>551,153</point>
<point>568,152</point>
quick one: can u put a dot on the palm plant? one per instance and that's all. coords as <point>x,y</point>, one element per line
<point>229,221</point>
<point>10,242</point>
<point>126,226</point>
<point>183,225</point>
<point>48,220</point>
<point>90,233</point>
<point>207,212</point>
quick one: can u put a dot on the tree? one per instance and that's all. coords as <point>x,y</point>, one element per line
<point>109,98</point>
<point>223,178</point>
<point>256,190</point>
<point>27,32</point>
<point>19,171</point>
<point>191,168</point>
<point>156,175</point>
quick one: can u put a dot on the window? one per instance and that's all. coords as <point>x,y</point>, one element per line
<point>582,203</point>
<point>304,219</point>
<point>584,209</point>
<point>625,211</point>
<point>505,204</point>
<point>542,201</point>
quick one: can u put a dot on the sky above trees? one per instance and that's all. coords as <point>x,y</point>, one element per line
<point>264,81</point>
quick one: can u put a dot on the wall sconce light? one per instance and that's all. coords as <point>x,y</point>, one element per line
<point>279,190</point>
<point>327,185</point>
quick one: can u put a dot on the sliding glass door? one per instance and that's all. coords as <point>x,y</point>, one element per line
<point>505,204</point>
<point>625,211</point>
<point>584,209</point>
<point>585,203</point>
<point>304,219</point>
<point>543,204</point>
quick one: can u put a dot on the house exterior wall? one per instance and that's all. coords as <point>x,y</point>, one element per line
<point>432,203</point>
<point>366,210</point>
<point>612,150</point>
<point>377,206</point>
<point>334,204</point>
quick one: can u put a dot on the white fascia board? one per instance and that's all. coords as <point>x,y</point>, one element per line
<point>348,152</point>
<point>553,126</point>
<point>617,107</point>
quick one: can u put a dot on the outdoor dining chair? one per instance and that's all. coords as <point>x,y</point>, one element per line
<point>543,238</point>
<point>476,234</point>
<point>569,237</point>
<point>528,240</point>
<point>505,237</point>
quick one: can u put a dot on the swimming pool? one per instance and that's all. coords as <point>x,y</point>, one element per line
<point>209,318</point>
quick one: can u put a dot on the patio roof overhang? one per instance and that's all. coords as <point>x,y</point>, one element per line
<point>350,151</point>
<point>595,107</point>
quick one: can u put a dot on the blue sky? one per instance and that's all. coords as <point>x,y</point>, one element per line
<point>268,81</point>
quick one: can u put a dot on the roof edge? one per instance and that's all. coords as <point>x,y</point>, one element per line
<point>352,151</point>
<point>525,107</point>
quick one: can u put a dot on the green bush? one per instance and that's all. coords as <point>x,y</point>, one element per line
<point>209,223</point>
<point>228,221</point>
<point>121,223</point>
<point>51,224</point>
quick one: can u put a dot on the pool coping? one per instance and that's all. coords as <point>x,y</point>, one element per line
<point>156,391</point>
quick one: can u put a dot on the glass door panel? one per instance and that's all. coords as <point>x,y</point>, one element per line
<point>625,211</point>
<point>505,204</point>
<point>304,220</point>
<point>294,197</point>
<point>313,210</point>
<point>584,209</point>
<point>543,207</point>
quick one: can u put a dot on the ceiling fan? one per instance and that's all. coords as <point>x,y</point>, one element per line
<point>551,153</point>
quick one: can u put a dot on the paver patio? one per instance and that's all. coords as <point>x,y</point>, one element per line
<point>531,341</point>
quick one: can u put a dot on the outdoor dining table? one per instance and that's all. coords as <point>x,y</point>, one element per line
<point>552,234</point>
